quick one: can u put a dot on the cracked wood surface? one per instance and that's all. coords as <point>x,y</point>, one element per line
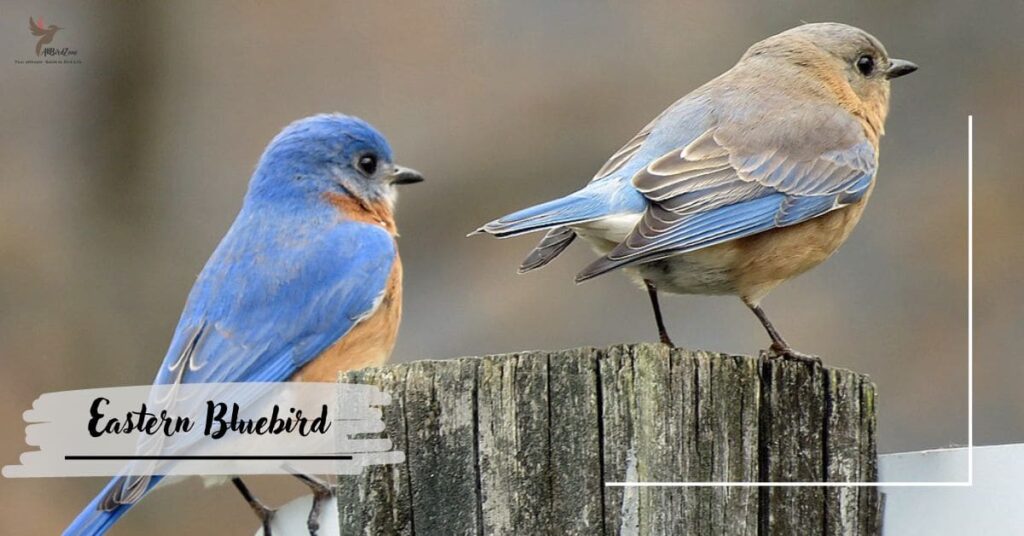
<point>522,444</point>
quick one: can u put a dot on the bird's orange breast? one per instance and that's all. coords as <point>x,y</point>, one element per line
<point>378,213</point>
<point>368,344</point>
<point>767,259</point>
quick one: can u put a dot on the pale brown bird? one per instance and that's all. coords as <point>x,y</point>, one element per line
<point>750,180</point>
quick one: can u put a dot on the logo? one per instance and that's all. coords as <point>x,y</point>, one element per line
<point>45,36</point>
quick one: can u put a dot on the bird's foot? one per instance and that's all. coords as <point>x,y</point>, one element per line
<point>652,292</point>
<point>787,353</point>
<point>321,491</point>
<point>262,511</point>
<point>265,520</point>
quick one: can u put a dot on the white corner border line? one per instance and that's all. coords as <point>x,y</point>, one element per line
<point>970,383</point>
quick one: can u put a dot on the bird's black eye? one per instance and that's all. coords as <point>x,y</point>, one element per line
<point>367,164</point>
<point>866,64</point>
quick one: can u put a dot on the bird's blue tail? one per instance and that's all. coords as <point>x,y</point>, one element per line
<point>574,208</point>
<point>94,519</point>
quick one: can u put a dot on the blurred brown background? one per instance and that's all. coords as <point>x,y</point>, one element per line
<point>120,175</point>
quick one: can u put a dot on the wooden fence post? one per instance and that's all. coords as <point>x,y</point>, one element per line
<point>524,443</point>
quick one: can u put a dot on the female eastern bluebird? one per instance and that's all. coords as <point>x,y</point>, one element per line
<point>750,180</point>
<point>306,283</point>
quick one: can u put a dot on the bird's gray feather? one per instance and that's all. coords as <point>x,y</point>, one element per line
<point>700,193</point>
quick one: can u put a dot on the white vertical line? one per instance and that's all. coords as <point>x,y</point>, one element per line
<point>970,299</point>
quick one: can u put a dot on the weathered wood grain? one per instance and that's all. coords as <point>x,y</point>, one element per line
<point>523,444</point>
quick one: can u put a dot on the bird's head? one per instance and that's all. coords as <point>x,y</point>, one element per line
<point>845,61</point>
<point>328,154</point>
<point>41,24</point>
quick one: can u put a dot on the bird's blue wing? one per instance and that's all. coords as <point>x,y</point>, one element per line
<point>266,303</point>
<point>711,191</point>
<point>263,308</point>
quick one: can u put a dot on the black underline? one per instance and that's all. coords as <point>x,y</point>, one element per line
<point>240,457</point>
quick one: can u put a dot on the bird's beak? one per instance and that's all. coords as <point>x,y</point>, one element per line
<point>404,175</point>
<point>898,68</point>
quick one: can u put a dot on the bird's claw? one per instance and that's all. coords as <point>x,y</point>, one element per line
<point>266,519</point>
<point>789,354</point>
<point>313,522</point>
<point>262,511</point>
<point>321,490</point>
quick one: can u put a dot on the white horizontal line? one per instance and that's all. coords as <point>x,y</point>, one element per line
<point>788,484</point>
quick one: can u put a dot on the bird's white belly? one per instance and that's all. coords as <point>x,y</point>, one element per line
<point>611,230</point>
<point>698,272</point>
<point>705,271</point>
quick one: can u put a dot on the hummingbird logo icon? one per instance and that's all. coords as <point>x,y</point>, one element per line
<point>44,33</point>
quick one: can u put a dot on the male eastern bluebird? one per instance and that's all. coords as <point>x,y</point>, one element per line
<point>750,180</point>
<point>306,283</point>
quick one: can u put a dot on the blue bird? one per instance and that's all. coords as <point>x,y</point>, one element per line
<point>750,180</point>
<point>307,282</point>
